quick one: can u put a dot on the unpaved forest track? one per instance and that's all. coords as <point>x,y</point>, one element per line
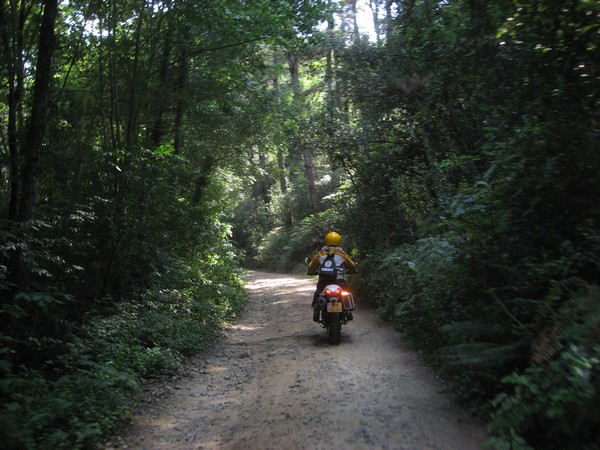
<point>274,382</point>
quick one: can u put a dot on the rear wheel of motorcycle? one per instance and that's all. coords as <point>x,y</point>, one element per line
<point>335,328</point>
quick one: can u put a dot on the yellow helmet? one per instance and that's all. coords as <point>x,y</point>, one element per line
<point>333,239</point>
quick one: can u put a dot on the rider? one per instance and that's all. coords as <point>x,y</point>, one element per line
<point>343,264</point>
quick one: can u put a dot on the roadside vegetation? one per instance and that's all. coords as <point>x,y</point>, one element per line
<point>151,150</point>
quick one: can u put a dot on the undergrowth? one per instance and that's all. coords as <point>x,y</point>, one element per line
<point>285,249</point>
<point>529,367</point>
<point>79,396</point>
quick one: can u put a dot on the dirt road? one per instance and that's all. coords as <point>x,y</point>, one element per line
<point>274,382</point>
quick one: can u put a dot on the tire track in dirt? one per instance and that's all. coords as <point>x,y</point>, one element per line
<point>272,381</point>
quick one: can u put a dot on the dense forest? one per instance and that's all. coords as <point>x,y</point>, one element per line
<point>151,150</point>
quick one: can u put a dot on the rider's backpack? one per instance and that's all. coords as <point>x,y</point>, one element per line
<point>328,267</point>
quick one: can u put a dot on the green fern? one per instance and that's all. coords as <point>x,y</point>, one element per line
<point>570,315</point>
<point>473,329</point>
<point>483,354</point>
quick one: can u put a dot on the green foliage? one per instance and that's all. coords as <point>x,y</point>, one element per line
<point>414,287</point>
<point>469,136</point>
<point>139,284</point>
<point>90,379</point>
<point>72,412</point>
<point>152,335</point>
<point>554,404</point>
<point>129,267</point>
<point>252,220</point>
<point>285,249</point>
<point>474,164</point>
<point>457,156</point>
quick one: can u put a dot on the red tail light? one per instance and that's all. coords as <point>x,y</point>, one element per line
<point>336,292</point>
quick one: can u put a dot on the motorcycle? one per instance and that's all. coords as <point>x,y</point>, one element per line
<point>335,306</point>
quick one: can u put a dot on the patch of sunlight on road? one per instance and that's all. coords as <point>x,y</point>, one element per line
<point>277,282</point>
<point>242,327</point>
<point>218,369</point>
<point>282,302</point>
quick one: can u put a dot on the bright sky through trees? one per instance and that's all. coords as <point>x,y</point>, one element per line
<point>364,19</point>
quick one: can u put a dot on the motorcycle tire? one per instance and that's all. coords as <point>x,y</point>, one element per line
<point>335,328</point>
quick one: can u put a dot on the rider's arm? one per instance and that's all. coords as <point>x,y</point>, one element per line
<point>313,265</point>
<point>350,265</point>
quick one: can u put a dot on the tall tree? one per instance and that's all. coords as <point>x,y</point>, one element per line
<point>15,18</point>
<point>37,120</point>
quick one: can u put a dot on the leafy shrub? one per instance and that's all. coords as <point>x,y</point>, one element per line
<point>87,370</point>
<point>285,249</point>
<point>72,412</point>
<point>555,401</point>
<point>103,364</point>
<point>413,286</point>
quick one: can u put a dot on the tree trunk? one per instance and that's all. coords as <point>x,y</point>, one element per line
<point>307,156</point>
<point>374,6</point>
<point>180,85</point>
<point>13,54</point>
<point>157,131</point>
<point>280,159</point>
<point>264,183</point>
<point>282,177</point>
<point>115,132</point>
<point>293,63</point>
<point>133,102</point>
<point>354,12</point>
<point>36,128</point>
<point>329,77</point>
<point>293,66</point>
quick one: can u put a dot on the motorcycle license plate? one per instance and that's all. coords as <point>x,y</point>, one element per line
<point>334,307</point>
